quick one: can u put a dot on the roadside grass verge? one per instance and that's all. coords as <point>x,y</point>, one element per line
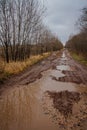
<point>12,68</point>
<point>80,58</point>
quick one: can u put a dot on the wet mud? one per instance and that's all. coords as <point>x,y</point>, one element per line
<point>73,76</point>
<point>50,95</point>
<point>32,73</point>
<point>64,100</point>
<point>67,113</point>
<point>72,71</point>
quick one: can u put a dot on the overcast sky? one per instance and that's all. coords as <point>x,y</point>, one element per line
<point>62,15</point>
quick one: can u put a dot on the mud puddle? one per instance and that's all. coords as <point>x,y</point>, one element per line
<point>63,60</point>
<point>68,110</point>
<point>22,108</point>
<point>45,104</point>
<point>63,67</point>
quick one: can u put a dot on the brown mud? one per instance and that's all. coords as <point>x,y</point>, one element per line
<point>64,100</point>
<point>50,95</point>
<point>32,73</point>
<point>68,113</point>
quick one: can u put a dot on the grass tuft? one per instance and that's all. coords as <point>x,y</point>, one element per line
<point>79,58</point>
<point>16,67</point>
<point>12,68</point>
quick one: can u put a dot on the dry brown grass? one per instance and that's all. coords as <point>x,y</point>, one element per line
<point>2,66</point>
<point>8,69</point>
<point>16,67</point>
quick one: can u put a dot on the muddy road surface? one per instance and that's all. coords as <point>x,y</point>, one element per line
<point>51,95</point>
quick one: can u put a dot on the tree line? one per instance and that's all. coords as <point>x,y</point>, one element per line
<point>22,31</point>
<point>78,43</point>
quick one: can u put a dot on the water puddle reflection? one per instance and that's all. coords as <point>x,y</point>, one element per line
<point>63,67</point>
<point>21,107</point>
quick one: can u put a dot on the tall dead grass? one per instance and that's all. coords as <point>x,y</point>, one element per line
<point>16,67</point>
<point>2,66</point>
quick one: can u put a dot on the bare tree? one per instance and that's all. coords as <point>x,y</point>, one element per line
<point>83,21</point>
<point>4,27</point>
<point>22,28</point>
<point>19,22</point>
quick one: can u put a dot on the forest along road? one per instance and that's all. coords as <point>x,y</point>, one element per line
<point>51,95</point>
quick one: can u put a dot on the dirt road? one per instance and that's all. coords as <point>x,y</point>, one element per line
<point>51,95</point>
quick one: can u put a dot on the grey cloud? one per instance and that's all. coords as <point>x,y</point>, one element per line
<point>61,16</point>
